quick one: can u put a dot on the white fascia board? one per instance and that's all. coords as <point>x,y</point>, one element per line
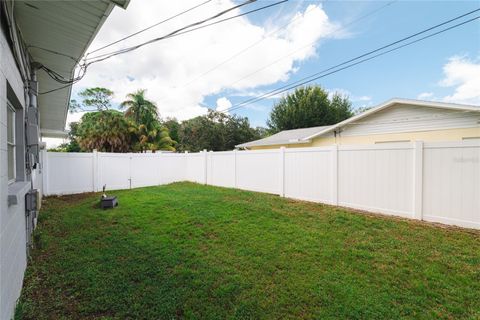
<point>46,133</point>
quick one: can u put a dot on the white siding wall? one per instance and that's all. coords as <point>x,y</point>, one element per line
<point>12,218</point>
<point>408,118</point>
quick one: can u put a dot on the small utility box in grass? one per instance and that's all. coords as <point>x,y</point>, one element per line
<point>107,202</point>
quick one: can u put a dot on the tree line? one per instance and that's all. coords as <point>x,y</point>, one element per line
<point>138,127</point>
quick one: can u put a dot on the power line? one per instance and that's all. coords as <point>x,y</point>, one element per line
<point>244,50</point>
<point>360,18</point>
<point>150,27</point>
<point>277,91</point>
<point>169,35</point>
<point>83,67</point>
<point>348,64</point>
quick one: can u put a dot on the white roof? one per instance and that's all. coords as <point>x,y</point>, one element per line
<point>294,136</point>
<point>305,135</point>
<point>67,27</point>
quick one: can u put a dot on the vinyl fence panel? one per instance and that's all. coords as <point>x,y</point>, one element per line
<point>172,167</point>
<point>145,169</point>
<point>377,178</point>
<point>68,173</point>
<point>451,183</point>
<point>221,169</point>
<point>309,175</point>
<point>196,167</point>
<point>114,170</point>
<point>259,170</point>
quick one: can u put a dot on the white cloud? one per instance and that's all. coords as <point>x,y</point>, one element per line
<point>364,98</point>
<point>462,74</point>
<point>361,101</point>
<point>165,67</point>
<point>223,104</point>
<point>425,96</point>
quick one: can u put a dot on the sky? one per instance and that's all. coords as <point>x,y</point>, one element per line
<point>226,64</point>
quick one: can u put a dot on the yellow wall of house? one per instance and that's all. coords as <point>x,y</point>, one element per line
<point>427,136</point>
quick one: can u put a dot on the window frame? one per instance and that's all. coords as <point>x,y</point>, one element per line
<point>12,143</point>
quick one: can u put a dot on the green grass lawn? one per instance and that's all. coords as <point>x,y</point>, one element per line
<point>199,252</point>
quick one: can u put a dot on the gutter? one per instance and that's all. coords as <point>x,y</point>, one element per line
<point>47,133</point>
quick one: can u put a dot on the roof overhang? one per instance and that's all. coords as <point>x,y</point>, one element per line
<point>393,102</point>
<point>47,133</point>
<point>259,144</point>
<point>67,27</point>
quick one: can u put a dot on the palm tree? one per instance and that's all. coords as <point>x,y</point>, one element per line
<point>106,131</point>
<point>145,126</point>
<point>141,110</point>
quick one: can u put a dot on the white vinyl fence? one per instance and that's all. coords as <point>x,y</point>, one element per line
<point>437,182</point>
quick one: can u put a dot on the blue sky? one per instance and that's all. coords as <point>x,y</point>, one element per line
<point>406,73</point>
<point>176,72</point>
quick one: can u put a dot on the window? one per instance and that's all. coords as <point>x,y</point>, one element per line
<point>11,142</point>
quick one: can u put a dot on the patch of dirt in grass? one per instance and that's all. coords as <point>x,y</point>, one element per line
<point>70,199</point>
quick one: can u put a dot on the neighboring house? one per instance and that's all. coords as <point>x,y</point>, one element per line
<point>397,120</point>
<point>34,34</point>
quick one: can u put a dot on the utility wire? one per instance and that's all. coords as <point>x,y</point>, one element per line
<point>350,23</point>
<point>348,64</point>
<point>83,67</point>
<point>114,53</point>
<point>245,49</point>
<point>150,27</point>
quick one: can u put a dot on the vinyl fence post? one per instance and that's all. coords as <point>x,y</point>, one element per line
<point>45,172</point>
<point>235,168</point>
<point>205,170</point>
<point>334,170</point>
<point>282,172</point>
<point>209,168</point>
<point>95,170</point>
<point>418,180</point>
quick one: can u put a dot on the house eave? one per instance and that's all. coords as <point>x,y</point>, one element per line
<point>248,145</point>
<point>395,101</point>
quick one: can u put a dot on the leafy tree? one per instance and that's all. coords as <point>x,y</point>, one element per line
<point>72,144</point>
<point>93,99</point>
<point>150,138</point>
<point>308,107</point>
<point>106,131</point>
<point>173,126</point>
<point>215,131</point>
<point>148,133</point>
